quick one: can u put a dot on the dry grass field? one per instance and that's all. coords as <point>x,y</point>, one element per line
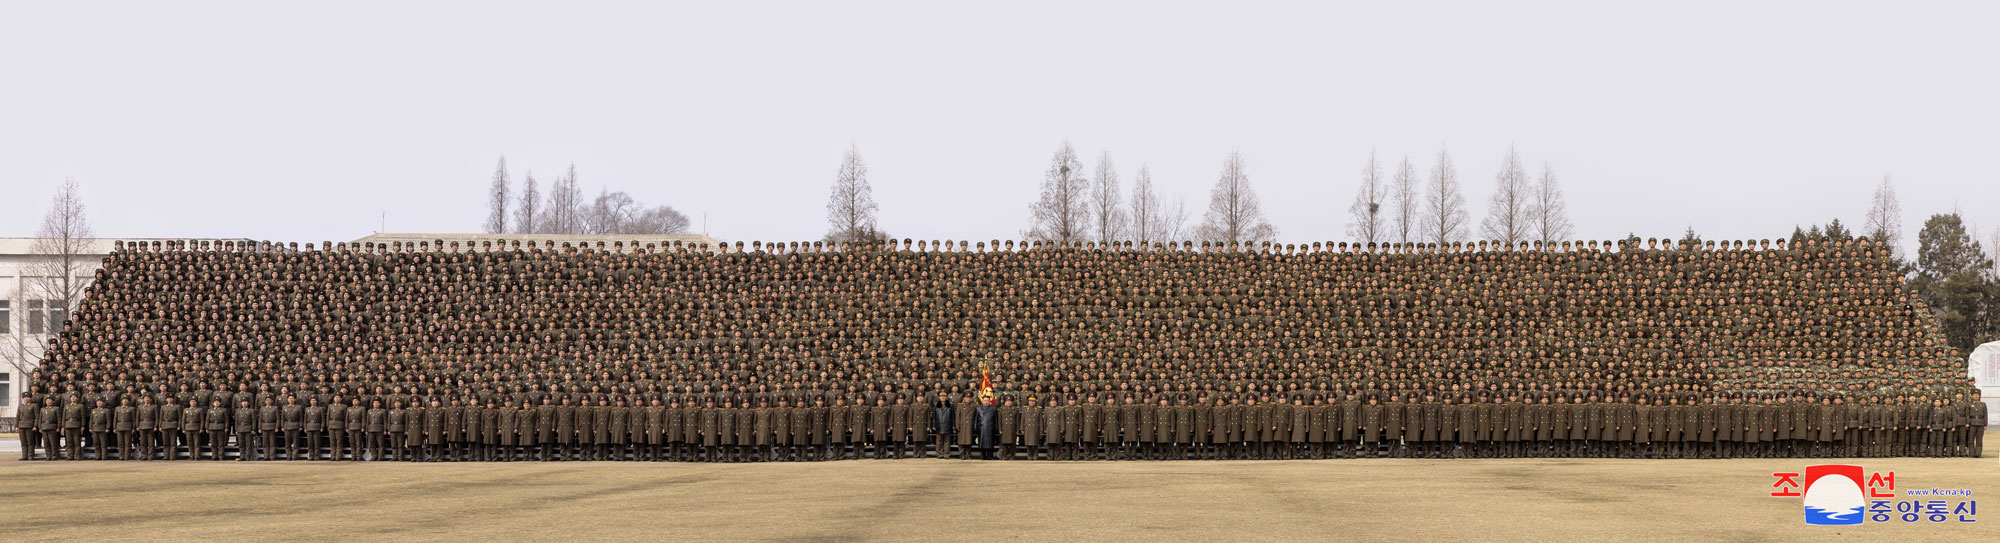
<point>935,500</point>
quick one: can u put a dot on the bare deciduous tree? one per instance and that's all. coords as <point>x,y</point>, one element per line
<point>1405,204</point>
<point>620,213</point>
<point>497,199</point>
<point>527,215</point>
<point>1365,216</point>
<point>1234,215</point>
<point>1104,202</point>
<point>1444,213</point>
<point>850,210</point>
<point>1885,216</point>
<point>608,213</point>
<point>1508,213</point>
<point>1551,215</point>
<point>1062,214</point>
<point>1177,220</point>
<point>565,212</point>
<point>54,273</point>
<point>1149,220</point>
<point>659,220</point>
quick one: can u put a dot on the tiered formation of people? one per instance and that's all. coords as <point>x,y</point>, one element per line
<point>811,351</point>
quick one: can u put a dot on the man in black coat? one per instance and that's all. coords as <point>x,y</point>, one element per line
<point>988,419</point>
<point>942,418</point>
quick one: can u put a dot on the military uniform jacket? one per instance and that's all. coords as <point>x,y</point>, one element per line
<point>169,417</point>
<point>314,418</point>
<point>1330,422</point>
<point>267,418</point>
<point>618,424</point>
<point>1301,424</point>
<point>1754,429</point>
<point>919,416</point>
<point>762,425</point>
<point>1702,417</point>
<point>545,423</point>
<point>1128,422</point>
<point>1805,422</point>
<point>291,417</point>
<point>1568,419</point>
<point>857,422</point>
<point>1545,422</point>
<point>1856,417</point>
<point>1831,419</point>
<point>1008,424</point>
<point>73,416</point>
<point>1149,424</point>
<point>1321,417</point>
<point>123,419</point>
<point>1433,421</point>
<point>710,427</point>
<point>194,418</point>
<point>245,419</point>
<point>1184,424</point>
<point>1052,425</point>
<point>216,419</point>
<point>1371,423</point>
<point>1222,424</point>
<point>1073,424</point>
<point>414,421</point>
<point>1204,425</point>
<point>803,420</point>
<point>148,417</point>
<point>963,416</point>
<point>879,421</point>
<point>1469,416</point>
<point>1277,422</point>
<point>1031,426</point>
<point>434,425</point>
<point>673,424</point>
<point>1392,423</point>
<point>899,423</point>
<point>1518,424</point>
<point>837,426</point>
<point>1350,421</point>
<point>497,426</point>
<point>1773,421</point>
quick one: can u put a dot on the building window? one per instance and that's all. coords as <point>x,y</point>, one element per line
<point>6,390</point>
<point>34,316</point>
<point>6,317</point>
<point>58,314</point>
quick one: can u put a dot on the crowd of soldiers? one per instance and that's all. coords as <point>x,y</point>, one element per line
<point>807,351</point>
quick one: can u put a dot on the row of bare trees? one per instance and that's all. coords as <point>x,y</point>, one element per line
<point>1075,207</point>
<point>565,211</point>
<point>1395,209</point>
<point>1398,207</point>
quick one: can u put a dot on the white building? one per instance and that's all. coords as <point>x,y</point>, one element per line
<point>1984,367</point>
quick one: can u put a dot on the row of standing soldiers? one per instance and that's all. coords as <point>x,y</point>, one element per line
<point>1238,428</point>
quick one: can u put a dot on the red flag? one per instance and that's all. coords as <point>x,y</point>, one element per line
<point>985,385</point>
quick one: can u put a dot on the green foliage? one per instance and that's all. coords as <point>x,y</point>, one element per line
<point>1955,278</point>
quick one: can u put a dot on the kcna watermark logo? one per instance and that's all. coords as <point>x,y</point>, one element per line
<point>1840,494</point>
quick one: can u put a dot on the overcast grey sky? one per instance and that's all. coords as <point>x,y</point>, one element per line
<point>275,121</point>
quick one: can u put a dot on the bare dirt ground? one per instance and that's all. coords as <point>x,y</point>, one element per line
<point>1405,500</point>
